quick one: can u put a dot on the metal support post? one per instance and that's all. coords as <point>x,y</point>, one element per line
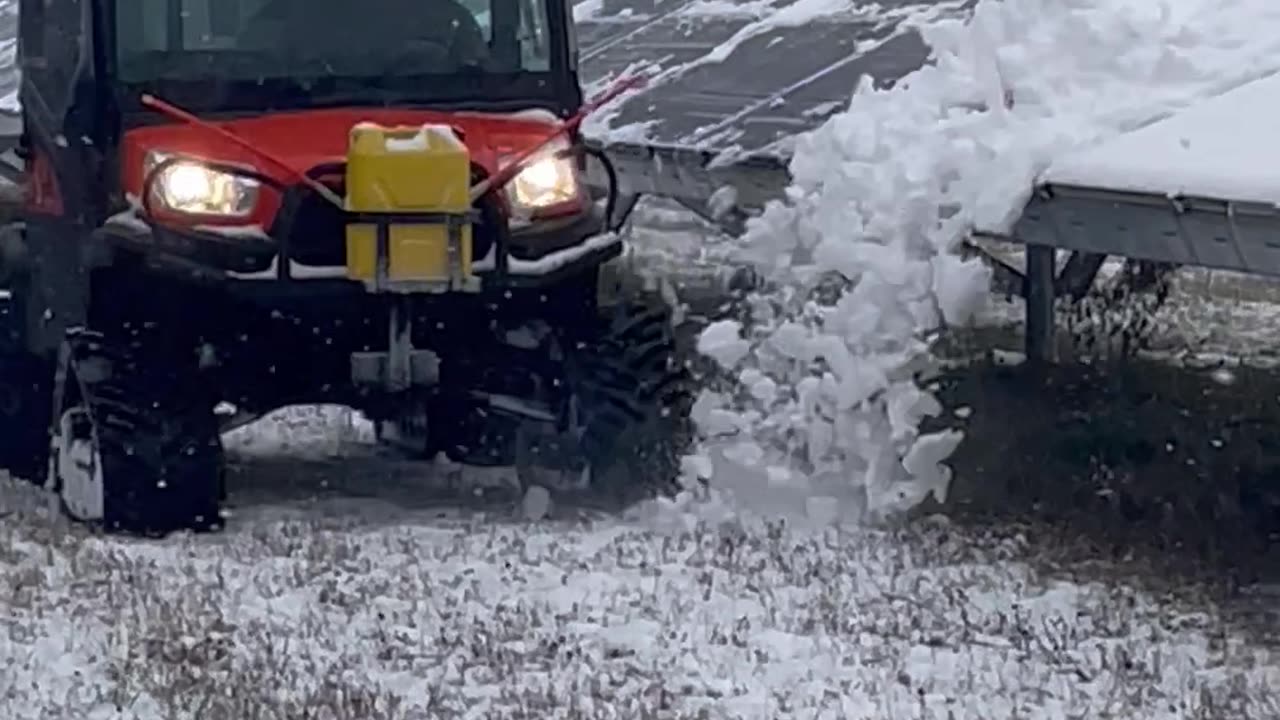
<point>1040,331</point>
<point>400,346</point>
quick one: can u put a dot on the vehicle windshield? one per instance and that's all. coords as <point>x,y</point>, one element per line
<point>372,42</point>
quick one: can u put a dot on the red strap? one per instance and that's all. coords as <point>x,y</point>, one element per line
<point>179,114</point>
<point>569,126</point>
<point>498,179</point>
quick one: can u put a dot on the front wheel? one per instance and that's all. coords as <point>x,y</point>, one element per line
<point>628,404</point>
<point>25,398</point>
<point>134,445</point>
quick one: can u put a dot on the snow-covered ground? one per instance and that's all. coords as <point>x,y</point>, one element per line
<point>364,589</point>
<point>348,590</point>
<point>365,609</point>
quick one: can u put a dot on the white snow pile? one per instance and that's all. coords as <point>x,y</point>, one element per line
<point>831,371</point>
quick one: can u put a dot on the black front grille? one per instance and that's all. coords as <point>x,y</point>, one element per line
<point>317,234</point>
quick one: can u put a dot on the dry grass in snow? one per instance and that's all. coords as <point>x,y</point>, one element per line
<point>413,615</point>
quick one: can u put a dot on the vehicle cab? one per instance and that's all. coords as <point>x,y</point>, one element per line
<point>291,78</point>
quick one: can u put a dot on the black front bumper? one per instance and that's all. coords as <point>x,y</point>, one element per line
<point>257,263</point>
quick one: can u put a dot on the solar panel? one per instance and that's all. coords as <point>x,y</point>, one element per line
<point>771,81</point>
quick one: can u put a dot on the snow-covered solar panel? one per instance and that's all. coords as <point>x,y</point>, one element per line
<point>1220,148</point>
<point>744,74</point>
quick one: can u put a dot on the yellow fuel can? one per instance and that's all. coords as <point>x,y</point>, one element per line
<point>414,183</point>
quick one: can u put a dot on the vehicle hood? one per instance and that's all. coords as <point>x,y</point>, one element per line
<point>306,139</point>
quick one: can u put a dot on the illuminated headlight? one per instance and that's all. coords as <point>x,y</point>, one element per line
<point>546,182</point>
<point>190,187</point>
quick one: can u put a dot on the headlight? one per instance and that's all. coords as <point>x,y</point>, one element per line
<point>546,182</point>
<point>190,187</point>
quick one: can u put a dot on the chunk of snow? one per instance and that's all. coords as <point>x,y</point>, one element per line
<point>822,109</point>
<point>778,476</point>
<point>722,201</point>
<point>587,10</point>
<point>536,503</point>
<point>755,9</point>
<point>794,14</point>
<point>960,286</point>
<point>427,136</point>
<point>541,115</point>
<point>764,389</point>
<point>244,232</point>
<point>1008,358</point>
<point>551,261</point>
<point>723,342</point>
<point>697,465</point>
<point>924,462</point>
<point>822,509</point>
<point>1223,376</point>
